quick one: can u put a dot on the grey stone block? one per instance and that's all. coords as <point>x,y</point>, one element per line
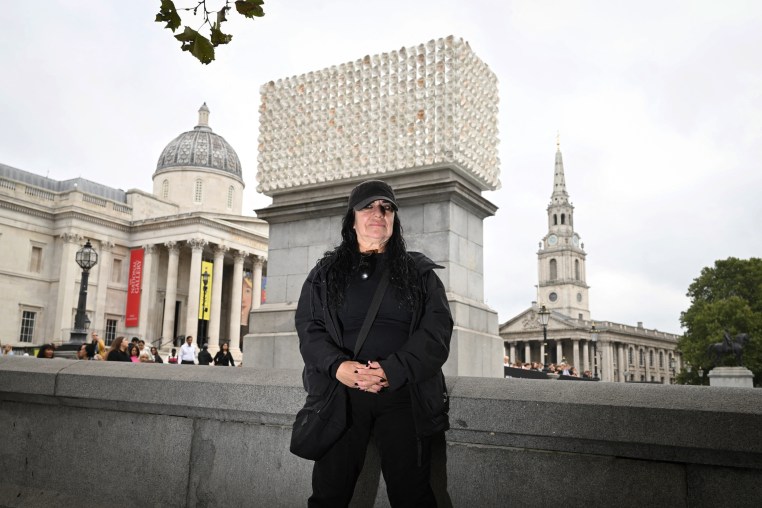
<point>411,218</point>
<point>27,374</point>
<point>436,217</point>
<point>459,220</point>
<point>475,230</point>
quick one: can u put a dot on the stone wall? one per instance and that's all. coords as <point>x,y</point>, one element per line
<point>108,434</point>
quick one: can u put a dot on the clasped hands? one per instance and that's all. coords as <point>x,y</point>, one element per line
<point>369,377</point>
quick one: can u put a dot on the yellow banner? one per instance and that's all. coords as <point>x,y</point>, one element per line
<point>205,291</point>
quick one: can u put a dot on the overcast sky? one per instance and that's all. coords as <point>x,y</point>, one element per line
<point>658,105</point>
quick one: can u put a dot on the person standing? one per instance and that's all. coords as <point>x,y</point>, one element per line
<point>223,356</point>
<point>118,351</point>
<point>395,386</point>
<point>188,352</point>
<point>156,356</point>
<point>204,358</point>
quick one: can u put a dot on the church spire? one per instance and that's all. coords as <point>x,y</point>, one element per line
<point>559,196</point>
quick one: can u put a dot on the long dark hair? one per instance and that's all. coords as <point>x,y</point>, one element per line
<point>342,262</point>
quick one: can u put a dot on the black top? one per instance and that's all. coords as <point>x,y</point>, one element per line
<point>204,358</point>
<point>224,359</point>
<point>391,327</point>
<point>118,356</point>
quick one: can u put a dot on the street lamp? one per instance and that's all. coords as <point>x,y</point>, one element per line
<point>594,337</point>
<point>672,367</point>
<point>205,281</point>
<point>544,319</point>
<point>86,258</point>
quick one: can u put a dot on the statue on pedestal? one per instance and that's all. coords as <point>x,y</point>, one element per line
<point>718,350</point>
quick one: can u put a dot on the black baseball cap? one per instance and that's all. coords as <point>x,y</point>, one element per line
<point>370,191</point>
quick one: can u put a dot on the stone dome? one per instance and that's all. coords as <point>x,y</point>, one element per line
<point>200,148</point>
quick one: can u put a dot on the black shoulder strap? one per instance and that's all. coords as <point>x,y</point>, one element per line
<point>372,311</point>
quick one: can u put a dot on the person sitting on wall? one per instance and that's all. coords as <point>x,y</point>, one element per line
<point>46,351</point>
<point>118,351</point>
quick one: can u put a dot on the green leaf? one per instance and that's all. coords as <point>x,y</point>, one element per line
<point>218,37</point>
<point>198,45</point>
<point>250,8</point>
<point>168,13</point>
<point>221,15</point>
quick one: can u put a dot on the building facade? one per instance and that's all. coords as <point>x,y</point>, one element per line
<point>611,351</point>
<point>153,250</point>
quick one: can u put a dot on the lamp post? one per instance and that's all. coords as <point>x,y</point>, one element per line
<point>86,258</point>
<point>701,375</point>
<point>544,318</point>
<point>594,337</point>
<point>672,366</point>
<point>205,281</point>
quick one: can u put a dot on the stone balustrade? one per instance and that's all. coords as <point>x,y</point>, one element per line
<point>78,433</point>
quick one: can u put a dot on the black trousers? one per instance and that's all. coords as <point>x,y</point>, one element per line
<point>405,460</point>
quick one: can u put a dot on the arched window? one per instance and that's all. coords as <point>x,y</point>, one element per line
<point>661,359</point>
<point>642,358</point>
<point>555,219</point>
<point>651,358</point>
<point>576,269</point>
<point>553,269</point>
<point>630,354</point>
<point>563,218</point>
<point>230,197</point>
<point>165,189</point>
<point>198,191</point>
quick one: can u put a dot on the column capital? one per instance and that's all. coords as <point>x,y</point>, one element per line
<point>172,247</point>
<point>258,261</point>
<point>71,237</point>
<point>241,255</point>
<point>149,248</point>
<point>197,243</point>
<point>220,250</point>
<point>107,245</point>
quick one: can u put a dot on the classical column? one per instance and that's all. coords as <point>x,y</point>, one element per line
<point>167,331</point>
<point>146,291</point>
<point>194,283</point>
<point>235,302</point>
<point>559,351</point>
<point>513,353</point>
<point>527,352</point>
<point>543,360</point>
<point>620,360</point>
<point>214,318</point>
<point>105,265</point>
<point>66,286</point>
<point>585,356</point>
<point>575,354</point>
<point>256,300</point>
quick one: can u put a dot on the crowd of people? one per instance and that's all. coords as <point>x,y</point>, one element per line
<point>137,351</point>
<point>561,369</point>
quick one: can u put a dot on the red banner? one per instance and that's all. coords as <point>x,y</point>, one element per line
<point>133,288</point>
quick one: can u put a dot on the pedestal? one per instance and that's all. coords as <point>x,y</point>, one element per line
<point>731,377</point>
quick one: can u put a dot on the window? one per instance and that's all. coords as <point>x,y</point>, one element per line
<point>661,359</point>
<point>650,358</point>
<point>198,191</point>
<point>165,189</point>
<point>110,331</point>
<point>27,326</point>
<point>555,219</point>
<point>553,269</point>
<point>642,358</point>
<point>576,269</point>
<point>116,271</point>
<point>629,356</point>
<point>35,261</point>
<point>563,218</point>
<point>230,197</point>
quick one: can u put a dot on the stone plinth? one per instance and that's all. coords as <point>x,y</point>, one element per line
<point>731,377</point>
<point>424,119</point>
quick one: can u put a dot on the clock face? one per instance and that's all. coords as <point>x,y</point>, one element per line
<point>575,240</point>
<point>553,297</point>
<point>552,240</point>
<point>579,297</point>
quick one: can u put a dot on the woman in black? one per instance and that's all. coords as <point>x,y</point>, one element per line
<point>118,351</point>
<point>223,356</point>
<point>395,387</point>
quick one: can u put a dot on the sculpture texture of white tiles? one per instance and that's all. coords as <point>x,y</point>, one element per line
<point>434,104</point>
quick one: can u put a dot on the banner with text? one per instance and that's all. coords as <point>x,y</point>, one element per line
<point>132,313</point>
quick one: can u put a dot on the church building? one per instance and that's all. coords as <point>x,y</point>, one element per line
<point>180,260</point>
<point>612,351</point>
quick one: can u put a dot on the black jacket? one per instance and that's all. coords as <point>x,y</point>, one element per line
<point>417,365</point>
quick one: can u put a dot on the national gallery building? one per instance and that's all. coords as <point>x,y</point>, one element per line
<point>623,352</point>
<point>181,260</point>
